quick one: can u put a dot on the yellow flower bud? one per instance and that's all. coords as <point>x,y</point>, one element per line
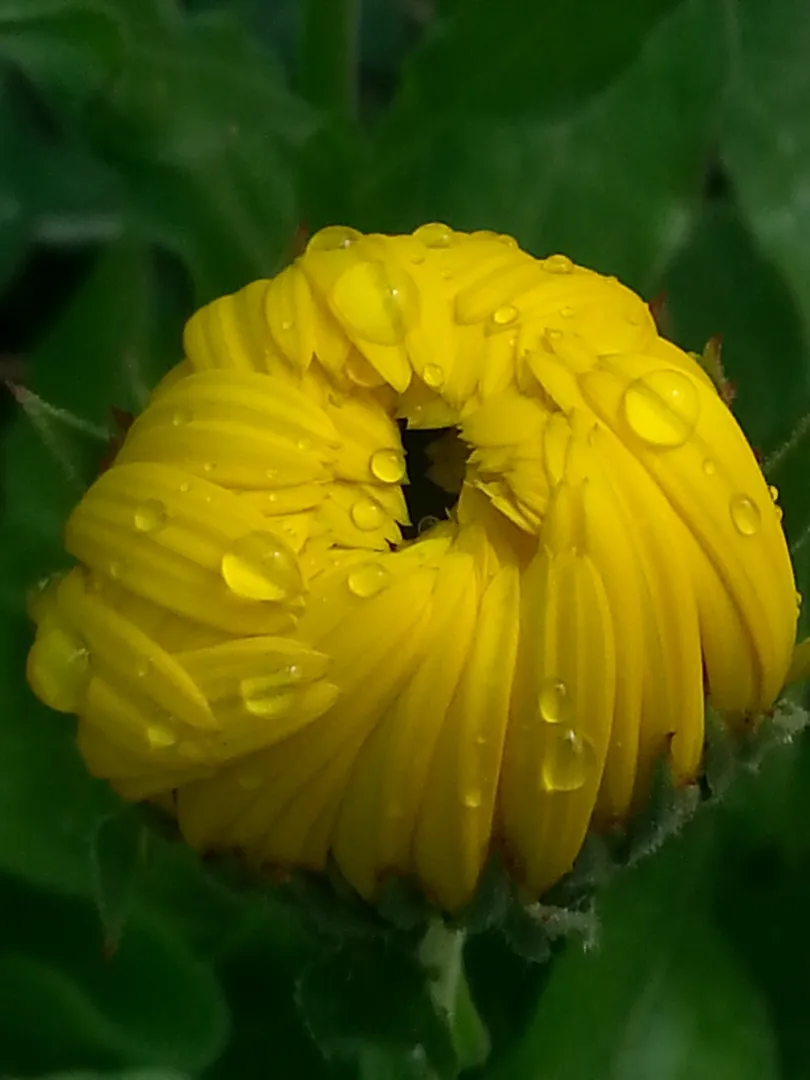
<point>245,626</point>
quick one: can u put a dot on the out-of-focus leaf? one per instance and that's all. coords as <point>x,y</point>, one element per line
<point>614,184</point>
<point>526,57</point>
<point>70,46</point>
<point>349,1017</point>
<point>203,131</point>
<point>129,1074</point>
<point>119,853</point>
<point>662,995</point>
<point>63,1004</point>
<point>767,137</point>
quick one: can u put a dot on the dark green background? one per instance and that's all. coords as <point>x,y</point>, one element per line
<point>155,154</point>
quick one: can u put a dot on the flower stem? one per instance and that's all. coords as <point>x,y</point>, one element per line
<point>329,54</point>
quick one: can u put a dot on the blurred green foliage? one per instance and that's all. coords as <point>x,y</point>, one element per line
<point>155,154</point>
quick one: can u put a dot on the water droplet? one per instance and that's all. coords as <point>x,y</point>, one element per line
<point>567,761</point>
<point>426,523</point>
<point>143,667</point>
<point>369,579</point>
<point>709,467</point>
<point>271,474</point>
<point>799,599</point>
<point>744,514</point>
<point>434,235</point>
<point>379,301</point>
<point>418,258</point>
<point>662,408</point>
<point>287,325</point>
<point>150,515</point>
<point>114,568</point>
<point>553,700</point>
<point>566,312</point>
<point>504,315</point>
<point>160,737</point>
<point>558,264</point>
<point>446,274</point>
<point>260,566</point>
<point>433,376</point>
<point>388,466</point>
<point>249,781</point>
<point>185,487</point>
<point>267,700</point>
<point>182,416</point>
<point>773,492</point>
<point>367,514</point>
<point>333,237</point>
<point>304,445</point>
<point>59,667</point>
<point>208,466</point>
<point>472,798</point>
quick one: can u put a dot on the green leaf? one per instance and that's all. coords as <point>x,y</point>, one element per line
<point>765,144</point>
<point>614,184</point>
<point>527,57</point>
<point>63,1003</point>
<point>69,47</point>
<point>119,854</point>
<point>373,996</point>
<point>661,996</point>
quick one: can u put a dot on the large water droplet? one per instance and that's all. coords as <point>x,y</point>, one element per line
<point>428,522</point>
<point>553,700</point>
<point>378,301</point>
<point>568,759</point>
<point>505,315</point>
<point>260,566</point>
<point>160,737</point>
<point>662,408</point>
<point>59,667</point>
<point>333,237</point>
<point>558,264</point>
<point>388,466</point>
<point>432,376</point>
<point>367,514</point>
<point>369,579</point>
<point>150,515</point>
<point>434,235</point>
<point>266,700</point>
<point>745,515</point>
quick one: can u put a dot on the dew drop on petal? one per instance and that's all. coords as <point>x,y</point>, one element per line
<point>185,487</point>
<point>505,315</point>
<point>773,492</point>
<point>269,702</point>
<point>287,325</point>
<point>260,566</point>
<point>208,466</point>
<point>745,515</point>
<point>182,416</point>
<point>333,238</point>
<point>369,579</point>
<point>558,264</point>
<point>160,737</point>
<point>150,515</point>
<point>434,235</point>
<point>568,759</point>
<point>662,408</point>
<point>377,301</point>
<point>114,568</point>
<point>709,467</point>
<point>553,700</point>
<point>432,376</point>
<point>367,514</point>
<point>304,445</point>
<point>59,667</point>
<point>566,311</point>
<point>426,524</point>
<point>388,466</point>
<point>472,798</point>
